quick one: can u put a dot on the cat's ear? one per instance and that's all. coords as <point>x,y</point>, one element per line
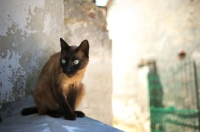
<point>63,44</point>
<point>84,47</point>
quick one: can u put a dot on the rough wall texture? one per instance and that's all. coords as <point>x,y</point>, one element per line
<point>29,34</point>
<point>148,30</point>
<point>83,20</point>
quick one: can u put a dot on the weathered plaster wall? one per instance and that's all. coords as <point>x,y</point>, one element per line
<point>83,20</point>
<point>29,34</point>
<point>148,30</point>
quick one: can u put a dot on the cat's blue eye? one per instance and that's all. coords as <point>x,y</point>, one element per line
<point>76,62</point>
<point>63,61</point>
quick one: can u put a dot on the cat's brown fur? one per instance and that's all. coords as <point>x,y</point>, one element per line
<point>57,94</point>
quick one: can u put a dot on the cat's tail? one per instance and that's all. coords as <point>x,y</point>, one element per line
<point>29,111</point>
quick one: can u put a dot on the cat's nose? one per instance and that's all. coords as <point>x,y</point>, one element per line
<point>68,69</point>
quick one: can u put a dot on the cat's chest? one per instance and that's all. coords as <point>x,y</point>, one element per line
<point>67,83</point>
<point>70,83</point>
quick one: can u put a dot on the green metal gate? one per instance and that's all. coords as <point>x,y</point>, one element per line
<point>174,98</point>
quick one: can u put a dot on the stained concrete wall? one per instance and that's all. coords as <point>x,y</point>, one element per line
<point>143,30</point>
<point>83,20</point>
<point>29,34</point>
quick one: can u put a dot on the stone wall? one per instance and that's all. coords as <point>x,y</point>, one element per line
<point>29,34</point>
<point>83,20</point>
<point>146,30</point>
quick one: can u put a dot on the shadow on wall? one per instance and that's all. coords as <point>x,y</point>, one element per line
<point>155,93</point>
<point>155,86</point>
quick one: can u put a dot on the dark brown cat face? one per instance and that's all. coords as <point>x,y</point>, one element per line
<point>73,58</point>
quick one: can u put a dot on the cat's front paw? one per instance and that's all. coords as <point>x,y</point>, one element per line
<point>70,116</point>
<point>80,114</point>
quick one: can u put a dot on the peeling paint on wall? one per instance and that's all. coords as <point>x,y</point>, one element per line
<point>11,71</point>
<point>29,34</point>
<point>12,10</point>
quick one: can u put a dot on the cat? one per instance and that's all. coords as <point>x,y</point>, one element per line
<point>59,89</point>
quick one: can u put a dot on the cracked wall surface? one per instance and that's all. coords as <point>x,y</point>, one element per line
<point>29,34</point>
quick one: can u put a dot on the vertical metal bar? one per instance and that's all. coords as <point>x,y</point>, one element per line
<point>197,92</point>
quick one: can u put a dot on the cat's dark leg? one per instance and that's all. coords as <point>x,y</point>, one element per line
<point>54,113</point>
<point>72,95</point>
<point>72,98</point>
<point>66,109</point>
